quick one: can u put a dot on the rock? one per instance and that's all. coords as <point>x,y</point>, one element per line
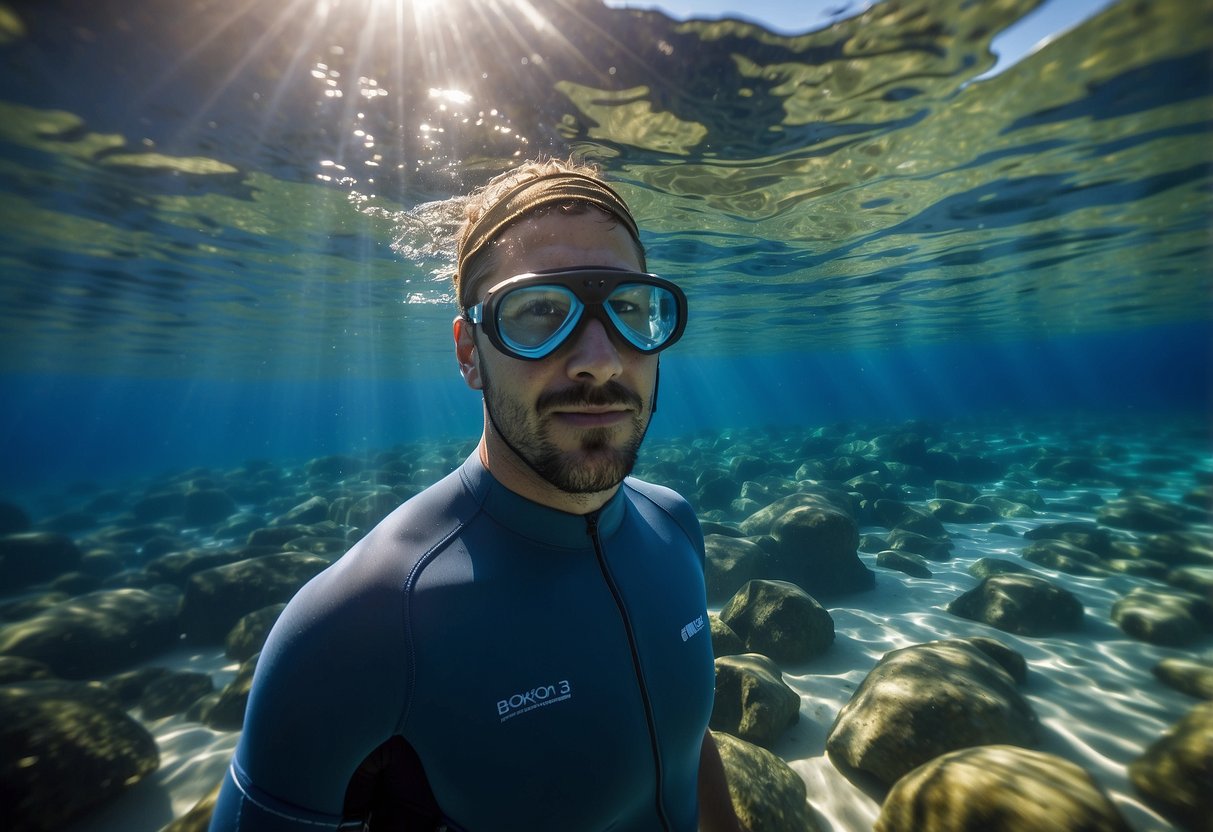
<point>96,634</point>
<point>752,700</point>
<point>1009,660</point>
<point>13,519</point>
<point>28,606</point>
<point>931,548</point>
<point>894,514</point>
<point>872,543</point>
<point>174,693</point>
<point>760,522</point>
<point>818,551</point>
<point>780,620</point>
<point>1022,604</point>
<point>1186,676</point>
<point>987,789</point>
<point>767,795</point>
<point>33,557</point>
<point>923,701</point>
<point>725,642</point>
<point>1179,549</point>
<point>953,511</point>
<point>1003,529</point>
<point>1139,568</point>
<point>1143,513</point>
<point>64,749</point>
<point>312,510</point>
<point>100,563</point>
<point>215,599</point>
<point>988,567</point>
<point>731,562</point>
<point>906,562</point>
<point>1002,507</point>
<point>1174,773</point>
<point>177,567</point>
<point>74,583</point>
<point>159,505</point>
<point>1086,536</point>
<point>248,636</point>
<point>226,712</point>
<point>17,669</point>
<point>1167,618</point>
<point>207,506</point>
<point>1196,579</point>
<point>959,491</point>
<point>1064,557</point>
<point>129,685</point>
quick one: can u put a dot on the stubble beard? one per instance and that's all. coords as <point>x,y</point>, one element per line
<point>595,465</point>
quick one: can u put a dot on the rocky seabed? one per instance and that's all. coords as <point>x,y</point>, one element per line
<point>927,627</point>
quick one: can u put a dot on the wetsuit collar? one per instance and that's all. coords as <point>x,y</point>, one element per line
<point>530,519</point>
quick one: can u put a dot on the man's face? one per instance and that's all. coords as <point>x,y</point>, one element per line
<point>577,416</point>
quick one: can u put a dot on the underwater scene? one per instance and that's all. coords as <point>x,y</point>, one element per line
<point>943,408</point>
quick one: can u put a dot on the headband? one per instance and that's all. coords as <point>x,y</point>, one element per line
<point>534,193</point>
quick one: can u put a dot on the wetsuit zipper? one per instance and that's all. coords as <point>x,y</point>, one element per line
<point>591,522</point>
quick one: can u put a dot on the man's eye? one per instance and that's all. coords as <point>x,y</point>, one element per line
<point>625,307</point>
<point>540,309</point>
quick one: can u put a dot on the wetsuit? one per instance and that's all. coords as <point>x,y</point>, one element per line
<point>550,670</point>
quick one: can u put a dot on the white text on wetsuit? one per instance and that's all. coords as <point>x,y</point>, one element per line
<point>529,700</point>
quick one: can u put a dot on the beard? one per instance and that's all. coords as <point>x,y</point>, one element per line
<point>597,463</point>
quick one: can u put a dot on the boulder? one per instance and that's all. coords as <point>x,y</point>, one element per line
<point>215,599</point>
<point>752,700</point>
<point>96,634</point>
<point>1144,513</point>
<point>767,795</point>
<point>731,562</point>
<point>1196,579</point>
<point>173,693</point>
<point>248,636</point>
<point>33,557</point>
<point>1168,618</point>
<point>1179,549</point>
<point>13,519</point>
<point>998,788</point>
<point>176,568</point>
<point>207,506</point>
<point>1009,660</point>
<point>1022,604</point>
<point>959,491</point>
<point>129,685</point>
<point>311,510</point>
<point>1002,507</point>
<point>17,669</point>
<point>894,514</point>
<point>932,548</point>
<point>158,505</point>
<point>780,620</point>
<point>725,642</point>
<point>1064,557</point>
<point>954,511</point>
<point>913,565</point>
<point>1188,676</point>
<point>65,748</point>
<point>923,701</point>
<point>1086,536</point>
<point>760,522</point>
<point>1174,773</point>
<point>817,551</point>
<point>988,567</point>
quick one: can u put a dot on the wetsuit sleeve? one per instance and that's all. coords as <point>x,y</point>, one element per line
<point>327,691</point>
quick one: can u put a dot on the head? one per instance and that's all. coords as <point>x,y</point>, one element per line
<point>566,419</point>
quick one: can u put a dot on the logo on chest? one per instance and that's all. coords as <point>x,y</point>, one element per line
<point>533,699</point>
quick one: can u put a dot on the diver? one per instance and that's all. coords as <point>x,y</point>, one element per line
<point>522,646</point>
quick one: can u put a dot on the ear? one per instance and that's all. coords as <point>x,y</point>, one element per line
<point>467,354</point>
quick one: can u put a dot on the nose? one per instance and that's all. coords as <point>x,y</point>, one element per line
<point>594,357</point>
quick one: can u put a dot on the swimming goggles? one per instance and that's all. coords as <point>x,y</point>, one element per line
<point>529,316</point>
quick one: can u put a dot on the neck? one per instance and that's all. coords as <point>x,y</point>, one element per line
<point>512,471</point>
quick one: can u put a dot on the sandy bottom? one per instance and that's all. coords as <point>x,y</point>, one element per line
<point>1093,690</point>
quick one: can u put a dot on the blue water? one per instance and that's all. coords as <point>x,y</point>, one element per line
<point>83,429</point>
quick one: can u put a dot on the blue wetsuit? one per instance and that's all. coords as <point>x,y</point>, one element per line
<point>551,671</point>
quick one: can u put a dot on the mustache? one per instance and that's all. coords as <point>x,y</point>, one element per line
<point>605,395</point>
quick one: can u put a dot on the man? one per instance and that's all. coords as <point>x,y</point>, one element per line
<point>524,644</point>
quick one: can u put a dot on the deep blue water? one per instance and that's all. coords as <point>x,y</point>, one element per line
<point>69,429</point>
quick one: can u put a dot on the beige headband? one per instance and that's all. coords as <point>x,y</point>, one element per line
<point>534,193</point>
